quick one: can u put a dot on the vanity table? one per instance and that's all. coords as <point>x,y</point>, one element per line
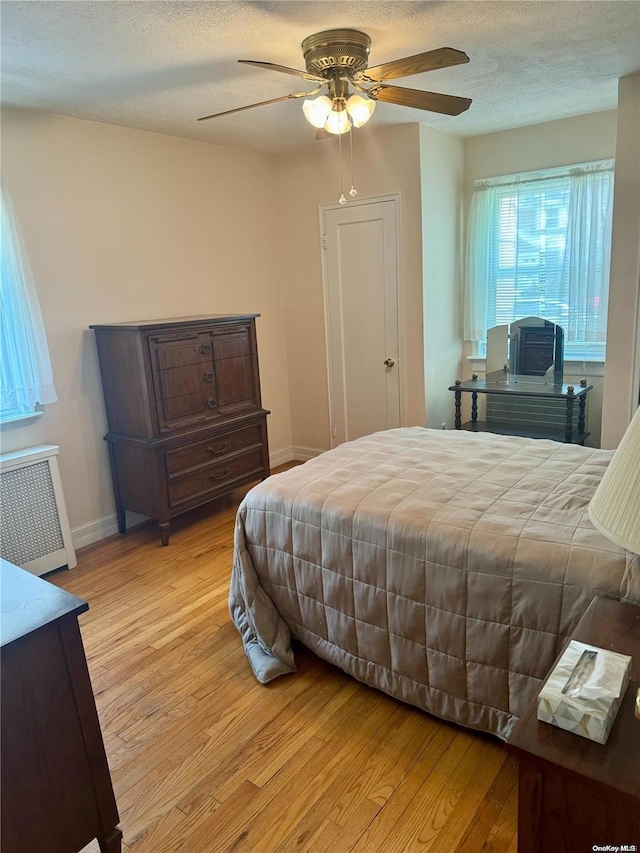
<point>510,410</point>
<point>523,387</point>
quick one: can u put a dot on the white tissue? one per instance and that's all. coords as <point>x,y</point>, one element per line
<point>606,678</point>
<point>584,690</point>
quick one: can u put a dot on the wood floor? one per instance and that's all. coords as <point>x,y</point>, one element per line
<point>203,758</point>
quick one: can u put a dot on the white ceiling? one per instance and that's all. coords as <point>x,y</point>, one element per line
<point>159,65</point>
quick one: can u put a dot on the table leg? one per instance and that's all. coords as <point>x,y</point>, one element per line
<point>458,421</point>
<point>474,406</point>
<point>568,430</point>
<point>581,412</point>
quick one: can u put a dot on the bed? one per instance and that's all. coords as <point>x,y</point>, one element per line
<point>445,568</point>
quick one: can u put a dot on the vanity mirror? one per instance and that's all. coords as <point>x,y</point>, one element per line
<point>530,350</point>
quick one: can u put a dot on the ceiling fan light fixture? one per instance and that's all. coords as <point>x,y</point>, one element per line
<point>360,109</point>
<point>317,110</point>
<point>338,122</point>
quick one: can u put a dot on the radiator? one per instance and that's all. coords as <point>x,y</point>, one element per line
<point>34,532</point>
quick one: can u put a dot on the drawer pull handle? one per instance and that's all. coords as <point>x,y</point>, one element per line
<point>218,449</point>
<point>212,403</point>
<point>208,377</point>
<point>205,349</point>
<point>222,476</point>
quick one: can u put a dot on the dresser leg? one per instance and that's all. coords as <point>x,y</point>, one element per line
<point>121,517</point>
<point>165,531</point>
<point>111,843</point>
<point>120,513</point>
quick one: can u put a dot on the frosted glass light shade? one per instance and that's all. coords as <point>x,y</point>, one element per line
<point>615,507</point>
<point>360,109</point>
<point>316,110</point>
<point>338,122</point>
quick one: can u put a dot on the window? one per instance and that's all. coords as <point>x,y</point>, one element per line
<point>539,245</point>
<point>26,379</point>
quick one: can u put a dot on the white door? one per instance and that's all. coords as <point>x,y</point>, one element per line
<point>361,305</point>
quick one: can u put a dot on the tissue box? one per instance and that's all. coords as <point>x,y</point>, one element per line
<point>584,691</point>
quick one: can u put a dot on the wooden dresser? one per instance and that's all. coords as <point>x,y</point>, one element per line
<point>186,424</point>
<point>56,786</point>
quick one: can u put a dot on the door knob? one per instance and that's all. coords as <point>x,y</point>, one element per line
<point>389,362</point>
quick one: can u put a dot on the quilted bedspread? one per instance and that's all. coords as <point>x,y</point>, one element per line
<point>443,567</point>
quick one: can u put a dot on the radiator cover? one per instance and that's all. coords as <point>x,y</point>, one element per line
<point>35,527</point>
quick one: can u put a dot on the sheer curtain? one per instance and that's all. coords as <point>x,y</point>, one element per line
<point>26,378</point>
<point>539,244</point>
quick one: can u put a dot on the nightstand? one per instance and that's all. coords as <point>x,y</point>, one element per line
<point>575,793</point>
<point>56,786</point>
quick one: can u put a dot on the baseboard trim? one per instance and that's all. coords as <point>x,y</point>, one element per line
<point>279,457</point>
<point>303,454</point>
<point>94,531</point>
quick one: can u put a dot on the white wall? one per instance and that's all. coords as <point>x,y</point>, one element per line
<point>623,326</point>
<point>579,139</point>
<point>441,172</point>
<point>384,162</point>
<point>120,225</point>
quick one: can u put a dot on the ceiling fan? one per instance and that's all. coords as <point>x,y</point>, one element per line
<point>338,60</point>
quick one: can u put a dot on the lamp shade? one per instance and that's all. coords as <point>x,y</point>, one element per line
<point>615,507</point>
<point>317,111</point>
<point>338,122</point>
<point>360,109</point>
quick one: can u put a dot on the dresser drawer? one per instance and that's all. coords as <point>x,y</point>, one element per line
<point>202,452</point>
<point>217,476</point>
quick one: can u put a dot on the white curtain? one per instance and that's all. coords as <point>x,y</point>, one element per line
<point>587,256</point>
<point>480,264</point>
<point>26,378</point>
<point>540,245</point>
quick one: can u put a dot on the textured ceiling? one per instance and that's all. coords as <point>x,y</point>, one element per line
<point>160,65</point>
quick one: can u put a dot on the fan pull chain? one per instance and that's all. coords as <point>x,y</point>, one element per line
<point>342,199</point>
<point>353,192</point>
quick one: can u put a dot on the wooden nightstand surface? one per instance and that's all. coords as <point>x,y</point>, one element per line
<point>609,625</point>
<point>574,793</point>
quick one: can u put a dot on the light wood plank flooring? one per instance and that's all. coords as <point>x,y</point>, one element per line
<point>203,758</point>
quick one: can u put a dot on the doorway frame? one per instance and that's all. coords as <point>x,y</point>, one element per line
<point>360,202</point>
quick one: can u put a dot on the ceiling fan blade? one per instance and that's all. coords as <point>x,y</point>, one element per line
<point>443,57</point>
<point>450,105</point>
<point>271,66</point>
<point>251,106</point>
